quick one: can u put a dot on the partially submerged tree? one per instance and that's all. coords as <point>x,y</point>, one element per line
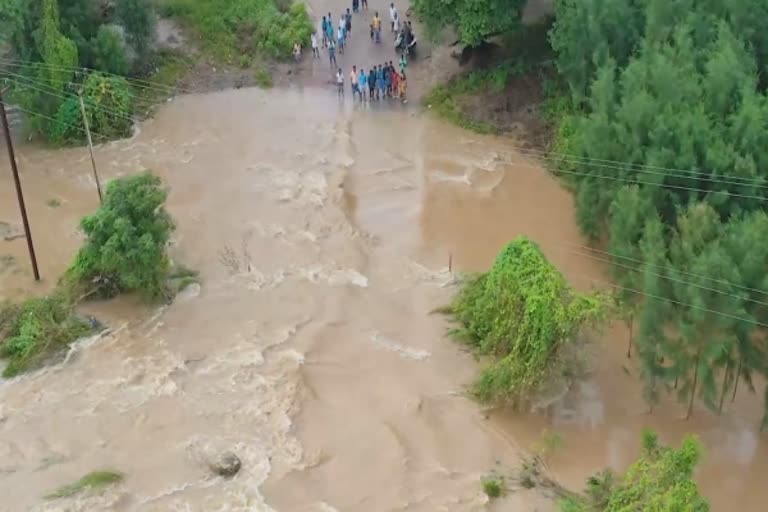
<point>126,241</point>
<point>660,480</point>
<point>524,314</point>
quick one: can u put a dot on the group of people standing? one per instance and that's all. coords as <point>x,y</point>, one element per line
<point>379,83</point>
<point>383,80</point>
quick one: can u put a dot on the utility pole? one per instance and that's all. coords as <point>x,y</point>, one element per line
<point>90,145</point>
<point>17,181</point>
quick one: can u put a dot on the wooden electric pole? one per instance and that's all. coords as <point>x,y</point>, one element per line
<point>90,146</point>
<point>17,181</point>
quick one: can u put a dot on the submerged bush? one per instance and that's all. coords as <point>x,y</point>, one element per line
<point>660,480</point>
<point>94,480</point>
<point>523,312</point>
<point>127,237</point>
<point>36,330</point>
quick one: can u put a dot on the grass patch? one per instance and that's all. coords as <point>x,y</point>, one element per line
<point>94,480</point>
<point>230,30</point>
<point>263,78</point>
<point>181,277</point>
<point>36,330</point>
<point>53,203</point>
<point>493,486</point>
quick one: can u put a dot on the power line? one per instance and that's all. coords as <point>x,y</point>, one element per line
<point>672,269</point>
<point>621,165</point>
<point>146,84</point>
<point>660,185</point>
<point>669,278</point>
<point>693,306</point>
<point>46,89</point>
<point>588,161</point>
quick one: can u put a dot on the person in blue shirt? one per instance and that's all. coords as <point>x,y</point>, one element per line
<point>324,31</point>
<point>362,83</point>
<point>330,31</point>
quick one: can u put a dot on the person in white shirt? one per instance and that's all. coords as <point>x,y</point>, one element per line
<point>340,82</point>
<point>392,15</point>
<point>315,50</point>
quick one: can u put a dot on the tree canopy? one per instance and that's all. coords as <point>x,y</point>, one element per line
<point>524,314</point>
<point>127,238</point>
<point>660,480</point>
<point>671,162</point>
<point>474,20</point>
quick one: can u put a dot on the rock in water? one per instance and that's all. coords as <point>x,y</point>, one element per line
<point>227,464</point>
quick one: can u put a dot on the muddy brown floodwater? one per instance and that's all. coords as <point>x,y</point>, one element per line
<point>312,354</point>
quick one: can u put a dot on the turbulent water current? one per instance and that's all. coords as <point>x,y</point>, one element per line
<point>323,233</point>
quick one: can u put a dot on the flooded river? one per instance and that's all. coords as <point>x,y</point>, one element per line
<point>323,234</point>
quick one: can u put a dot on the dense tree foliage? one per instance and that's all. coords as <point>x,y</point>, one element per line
<point>55,39</point>
<point>524,314</point>
<point>673,165</point>
<point>108,101</point>
<point>126,244</point>
<point>660,480</point>
<point>475,20</point>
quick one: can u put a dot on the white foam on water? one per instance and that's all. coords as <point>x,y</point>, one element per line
<point>406,352</point>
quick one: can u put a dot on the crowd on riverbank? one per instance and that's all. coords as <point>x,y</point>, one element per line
<point>382,80</point>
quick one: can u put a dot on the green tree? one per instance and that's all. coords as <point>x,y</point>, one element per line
<point>109,51</point>
<point>654,313</point>
<point>126,241</point>
<point>138,19</point>
<point>709,305</point>
<point>629,212</point>
<point>524,314</point>
<point>588,34</point>
<point>660,480</point>
<point>108,104</point>
<point>475,20</point>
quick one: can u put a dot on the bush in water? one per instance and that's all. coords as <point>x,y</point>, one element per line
<point>524,313</point>
<point>36,330</point>
<point>126,242</point>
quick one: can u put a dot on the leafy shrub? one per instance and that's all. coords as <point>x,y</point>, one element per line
<point>109,51</point>
<point>35,330</point>
<point>493,486</point>
<point>660,480</point>
<point>522,312</point>
<point>125,248</point>
<point>108,105</point>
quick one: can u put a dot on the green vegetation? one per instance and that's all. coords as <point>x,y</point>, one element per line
<point>660,480</point>
<point>231,30</point>
<point>54,41</point>
<point>524,314</point>
<point>474,20</point>
<point>664,124</point>
<point>91,481</point>
<point>523,52</point>
<point>108,104</point>
<point>125,251</point>
<point>126,241</point>
<point>493,486</point>
<point>36,330</point>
